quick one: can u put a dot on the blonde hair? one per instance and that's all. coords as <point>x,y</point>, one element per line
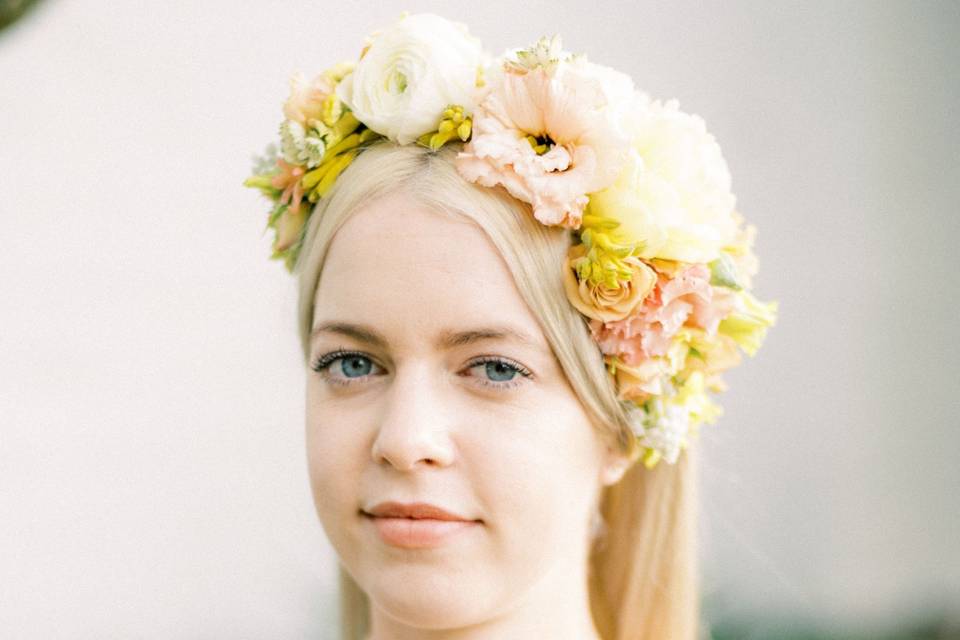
<point>643,578</point>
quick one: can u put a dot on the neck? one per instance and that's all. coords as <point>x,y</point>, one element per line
<point>557,607</point>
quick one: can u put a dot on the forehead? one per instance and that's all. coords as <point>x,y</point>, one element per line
<point>400,266</point>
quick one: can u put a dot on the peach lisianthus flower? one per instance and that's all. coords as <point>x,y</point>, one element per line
<point>643,380</point>
<point>691,349</point>
<point>603,303</point>
<point>549,134</point>
<point>686,298</point>
<point>650,376</point>
<point>306,101</point>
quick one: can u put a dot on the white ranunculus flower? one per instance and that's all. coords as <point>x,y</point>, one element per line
<point>410,73</point>
<point>674,192</point>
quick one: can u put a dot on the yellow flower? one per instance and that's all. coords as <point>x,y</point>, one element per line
<point>747,325</point>
<point>606,260</point>
<point>693,396</point>
<point>673,193</point>
<point>706,353</point>
<point>669,268</point>
<point>454,124</point>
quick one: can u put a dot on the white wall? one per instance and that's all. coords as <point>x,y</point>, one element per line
<point>152,472</point>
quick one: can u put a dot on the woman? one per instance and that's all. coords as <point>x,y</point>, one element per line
<point>497,331</point>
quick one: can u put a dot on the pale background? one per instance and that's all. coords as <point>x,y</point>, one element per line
<point>152,467</point>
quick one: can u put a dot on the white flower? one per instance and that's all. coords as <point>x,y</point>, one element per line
<point>546,53</point>
<point>666,429</point>
<point>410,73</point>
<point>674,192</point>
<point>547,131</point>
<point>300,146</point>
<point>636,417</point>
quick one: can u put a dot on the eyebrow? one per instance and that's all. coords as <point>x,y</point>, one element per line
<point>446,340</point>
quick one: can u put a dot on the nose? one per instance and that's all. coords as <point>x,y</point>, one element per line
<point>415,423</point>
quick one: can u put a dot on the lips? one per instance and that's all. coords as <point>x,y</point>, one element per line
<point>415,510</point>
<point>417,525</point>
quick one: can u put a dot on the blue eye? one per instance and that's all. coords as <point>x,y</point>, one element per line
<point>355,366</point>
<point>500,371</point>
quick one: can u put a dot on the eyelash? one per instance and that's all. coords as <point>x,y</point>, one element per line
<point>322,364</point>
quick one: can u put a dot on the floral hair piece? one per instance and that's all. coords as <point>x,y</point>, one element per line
<point>662,263</point>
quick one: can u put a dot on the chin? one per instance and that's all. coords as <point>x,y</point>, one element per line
<point>432,602</point>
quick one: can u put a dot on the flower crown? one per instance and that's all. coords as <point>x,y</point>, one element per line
<point>662,263</point>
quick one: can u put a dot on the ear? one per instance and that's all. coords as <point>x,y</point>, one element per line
<point>615,464</point>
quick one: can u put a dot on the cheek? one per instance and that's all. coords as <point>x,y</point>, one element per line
<point>336,458</point>
<point>334,454</point>
<point>539,478</point>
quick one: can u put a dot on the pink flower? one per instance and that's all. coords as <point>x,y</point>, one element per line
<point>289,180</point>
<point>307,98</point>
<point>570,109</point>
<point>292,220</point>
<point>644,379</point>
<point>686,298</point>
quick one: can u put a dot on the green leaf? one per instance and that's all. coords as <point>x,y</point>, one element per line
<point>275,215</point>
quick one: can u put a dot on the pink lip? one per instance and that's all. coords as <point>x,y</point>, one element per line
<point>416,525</point>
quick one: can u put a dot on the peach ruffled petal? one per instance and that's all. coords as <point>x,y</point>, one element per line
<point>685,299</point>
<point>587,154</point>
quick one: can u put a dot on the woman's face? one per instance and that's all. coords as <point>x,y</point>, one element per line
<point>431,382</point>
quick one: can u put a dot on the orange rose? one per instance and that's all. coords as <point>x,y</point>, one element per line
<point>599,301</point>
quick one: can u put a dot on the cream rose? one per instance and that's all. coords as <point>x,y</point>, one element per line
<point>410,73</point>
<point>674,192</point>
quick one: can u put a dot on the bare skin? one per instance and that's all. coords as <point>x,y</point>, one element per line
<point>460,402</point>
